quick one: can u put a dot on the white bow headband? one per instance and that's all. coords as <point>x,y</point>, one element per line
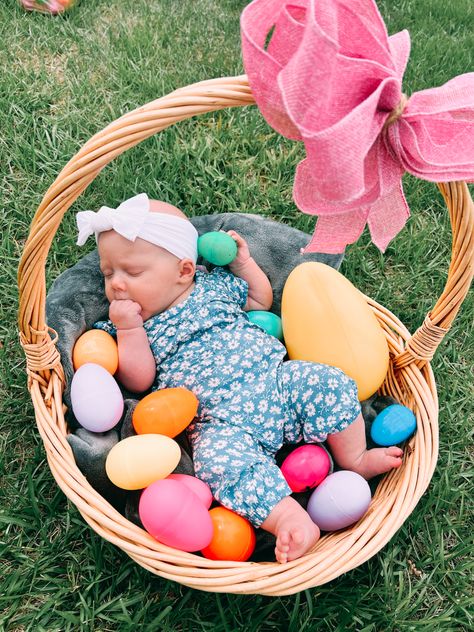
<point>133,219</point>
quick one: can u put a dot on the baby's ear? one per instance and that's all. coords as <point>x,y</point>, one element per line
<point>187,269</point>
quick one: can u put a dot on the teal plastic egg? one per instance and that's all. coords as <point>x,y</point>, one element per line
<point>269,322</point>
<point>218,248</point>
<point>393,425</point>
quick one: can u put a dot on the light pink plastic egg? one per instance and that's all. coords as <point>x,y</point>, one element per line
<point>200,488</point>
<point>97,402</point>
<point>175,516</point>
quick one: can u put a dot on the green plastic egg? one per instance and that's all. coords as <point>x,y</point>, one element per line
<point>269,322</point>
<point>218,248</point>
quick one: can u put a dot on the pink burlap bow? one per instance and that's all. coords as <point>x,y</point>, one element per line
<point>332,77</point>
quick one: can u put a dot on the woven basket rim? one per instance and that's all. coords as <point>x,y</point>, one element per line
<point>410,378</point>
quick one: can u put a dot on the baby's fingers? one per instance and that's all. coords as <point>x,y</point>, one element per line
<point>240,241</point>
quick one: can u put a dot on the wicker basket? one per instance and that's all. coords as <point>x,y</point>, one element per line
<point>410,379</point>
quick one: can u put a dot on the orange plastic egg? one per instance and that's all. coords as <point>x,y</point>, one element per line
<point>165,412</point>
<point>233,539</point>
<point>98,347</point>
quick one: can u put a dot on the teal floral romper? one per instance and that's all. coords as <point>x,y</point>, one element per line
<point>250,400</point>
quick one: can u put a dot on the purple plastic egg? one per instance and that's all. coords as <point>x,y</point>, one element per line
<point>97,402</point>
<point>340,500</point>
<point>306,467</point>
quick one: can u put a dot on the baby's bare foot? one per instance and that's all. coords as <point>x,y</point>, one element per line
<point>378,461</point>
<point>295,537</point>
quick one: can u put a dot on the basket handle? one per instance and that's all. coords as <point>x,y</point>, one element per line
<point>131,129</point>
<point>420,348</point>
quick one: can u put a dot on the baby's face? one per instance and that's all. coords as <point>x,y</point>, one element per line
<point>139,271</point>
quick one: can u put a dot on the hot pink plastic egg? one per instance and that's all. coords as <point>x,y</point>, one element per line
<point>200,488</point>
<point>306,467</point>
<point>96,399</point>
<point>175,515</point>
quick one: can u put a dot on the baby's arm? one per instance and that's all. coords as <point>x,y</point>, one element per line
<point>137,368</point>
<point>260,293</point>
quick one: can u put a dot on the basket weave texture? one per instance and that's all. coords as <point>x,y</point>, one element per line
<point>410,378</point>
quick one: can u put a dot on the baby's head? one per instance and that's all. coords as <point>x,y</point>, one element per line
<point>152,275</point>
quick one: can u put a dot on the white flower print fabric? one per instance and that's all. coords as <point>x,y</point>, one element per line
<point>250,401</point>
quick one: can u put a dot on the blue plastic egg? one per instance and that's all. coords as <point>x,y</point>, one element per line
<point>393,425</point>
<point>269,322</point>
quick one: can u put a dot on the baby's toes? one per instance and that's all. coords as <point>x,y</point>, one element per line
<point>394,451</point>
<point>282,547</point>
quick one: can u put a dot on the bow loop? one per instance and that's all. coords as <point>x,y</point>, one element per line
<point>127,219</point>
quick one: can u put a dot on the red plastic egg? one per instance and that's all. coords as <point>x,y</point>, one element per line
<point>233,539</point>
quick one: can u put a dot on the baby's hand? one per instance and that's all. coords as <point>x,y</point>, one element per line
<point>125,314</point>
<point>243,252</point>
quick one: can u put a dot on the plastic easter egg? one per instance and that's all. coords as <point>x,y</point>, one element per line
<point>269,322</point>
<point>340,500</point>
<point>200,488</point>
<point>306,467</point>
<point>233,539</point>
<point>97,402</point>
<point>393,425</point>
<point>218,248</point>
<point>175,516</point>
<point>98,347</point>
<point>167,412</point>
<point>326,319</point>
<point>137,461</point>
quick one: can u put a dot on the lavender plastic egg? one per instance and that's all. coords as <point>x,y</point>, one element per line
<point>340,500</point>
<point>97,402</point>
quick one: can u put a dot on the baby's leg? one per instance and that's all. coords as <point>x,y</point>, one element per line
<point>349,449</point>
<point>326,406</point>
<point>245,478</point>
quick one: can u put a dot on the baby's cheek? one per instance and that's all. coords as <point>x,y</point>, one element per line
<point>108,293</point>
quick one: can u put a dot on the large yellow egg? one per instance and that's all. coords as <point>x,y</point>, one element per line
<point>326,319</point>
<point>98,347</point>
<point>136,462</point>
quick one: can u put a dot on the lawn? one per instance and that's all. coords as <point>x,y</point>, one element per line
<point>63,79</point>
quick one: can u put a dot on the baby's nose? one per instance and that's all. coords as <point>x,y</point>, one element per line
<point>117,283</point>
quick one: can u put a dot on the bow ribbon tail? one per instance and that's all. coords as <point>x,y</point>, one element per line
<point>388,215</point>
<point>333,233</point>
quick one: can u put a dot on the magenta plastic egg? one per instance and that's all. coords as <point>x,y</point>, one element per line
<point>175,516</point>
<point>340,500</point>
<point>306,467</point>
<point>97,402</point>
<point>200,488</point>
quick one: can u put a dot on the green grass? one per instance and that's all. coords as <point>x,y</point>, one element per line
<point>62,80</point>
